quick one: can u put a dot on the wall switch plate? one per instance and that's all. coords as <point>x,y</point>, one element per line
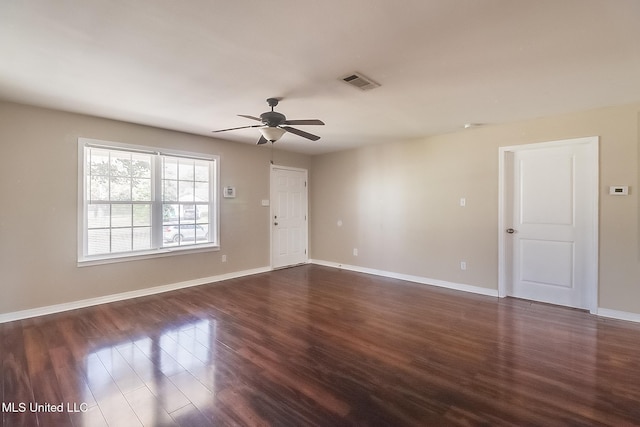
<point>463,201</point>
<point>224,258</point>
<point>355,251</point>
<point>229,192</point>
<point>619,190</point>
<point>265,202</point>
<point>463,265</point>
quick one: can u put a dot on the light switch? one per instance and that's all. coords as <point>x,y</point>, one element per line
<point>619,190</point>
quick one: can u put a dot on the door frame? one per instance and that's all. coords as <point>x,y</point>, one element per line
<point>505,203</point>
<point>272,169</point>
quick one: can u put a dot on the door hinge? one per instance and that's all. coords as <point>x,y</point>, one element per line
<point>305,183</point>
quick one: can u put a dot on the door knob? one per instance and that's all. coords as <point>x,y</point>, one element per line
<point>275,223</point>
<point>510,230</point>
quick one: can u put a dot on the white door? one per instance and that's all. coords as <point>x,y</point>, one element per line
<point>550,223</point>
<point>288,216</point>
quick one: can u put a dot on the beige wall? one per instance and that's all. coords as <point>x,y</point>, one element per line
<point>399,202</point>
<point>38,209</point>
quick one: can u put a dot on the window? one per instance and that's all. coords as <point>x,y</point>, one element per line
<point>139,202</point>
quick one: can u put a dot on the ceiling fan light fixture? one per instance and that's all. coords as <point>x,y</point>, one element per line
<point>274,124</point>
<point>272,134</point>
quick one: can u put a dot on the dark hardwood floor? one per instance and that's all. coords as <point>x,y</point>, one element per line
<point>317,346</point>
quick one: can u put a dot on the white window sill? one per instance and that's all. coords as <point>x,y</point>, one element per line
<point>157,253</point>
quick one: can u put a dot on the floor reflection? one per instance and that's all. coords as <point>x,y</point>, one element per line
<point>154,377</point>
<point>319,346</point>
<point>537,353</point>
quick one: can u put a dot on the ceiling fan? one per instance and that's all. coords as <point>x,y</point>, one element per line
<point>275,124</point>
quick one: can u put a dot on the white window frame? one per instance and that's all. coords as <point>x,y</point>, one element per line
<point>156,215</point>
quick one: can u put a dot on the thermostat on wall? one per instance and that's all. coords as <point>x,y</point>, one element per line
<point>229,192</point>
<point>619,190</point>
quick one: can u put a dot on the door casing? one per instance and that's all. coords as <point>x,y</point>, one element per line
<point>505,179</point>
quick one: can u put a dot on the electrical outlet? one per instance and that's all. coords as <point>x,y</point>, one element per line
<point>224,258</point>
<point>463,265</point>
<point>355,251</point>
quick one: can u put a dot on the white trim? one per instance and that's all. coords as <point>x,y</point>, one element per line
<point>154,253</point>
<point>289,168</point>
<point>110,145</point>
<point>593,142</point>
<point>502,272</point>
<point>74,305</point>
<point>601,312</point>
<point>410,278</point>
<point>620,315</point>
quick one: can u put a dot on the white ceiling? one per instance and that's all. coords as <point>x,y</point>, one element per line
<point>194,65</point>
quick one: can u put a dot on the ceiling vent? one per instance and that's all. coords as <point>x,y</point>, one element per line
<point>359,81</point>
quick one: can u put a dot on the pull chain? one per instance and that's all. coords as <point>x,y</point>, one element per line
<point>272,152</point>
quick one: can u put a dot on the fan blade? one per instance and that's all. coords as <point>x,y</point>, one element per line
<point>301,133</point>
<point>241,127</point>
<point>304,122</point>
<point>262,140</point>
<point>250,117</point>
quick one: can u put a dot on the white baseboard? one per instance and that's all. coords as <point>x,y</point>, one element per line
<point>51,309</point>
<point>620,315</point>
<point>602,312</point>
<point>58,308</point>
<point>416,279</point>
